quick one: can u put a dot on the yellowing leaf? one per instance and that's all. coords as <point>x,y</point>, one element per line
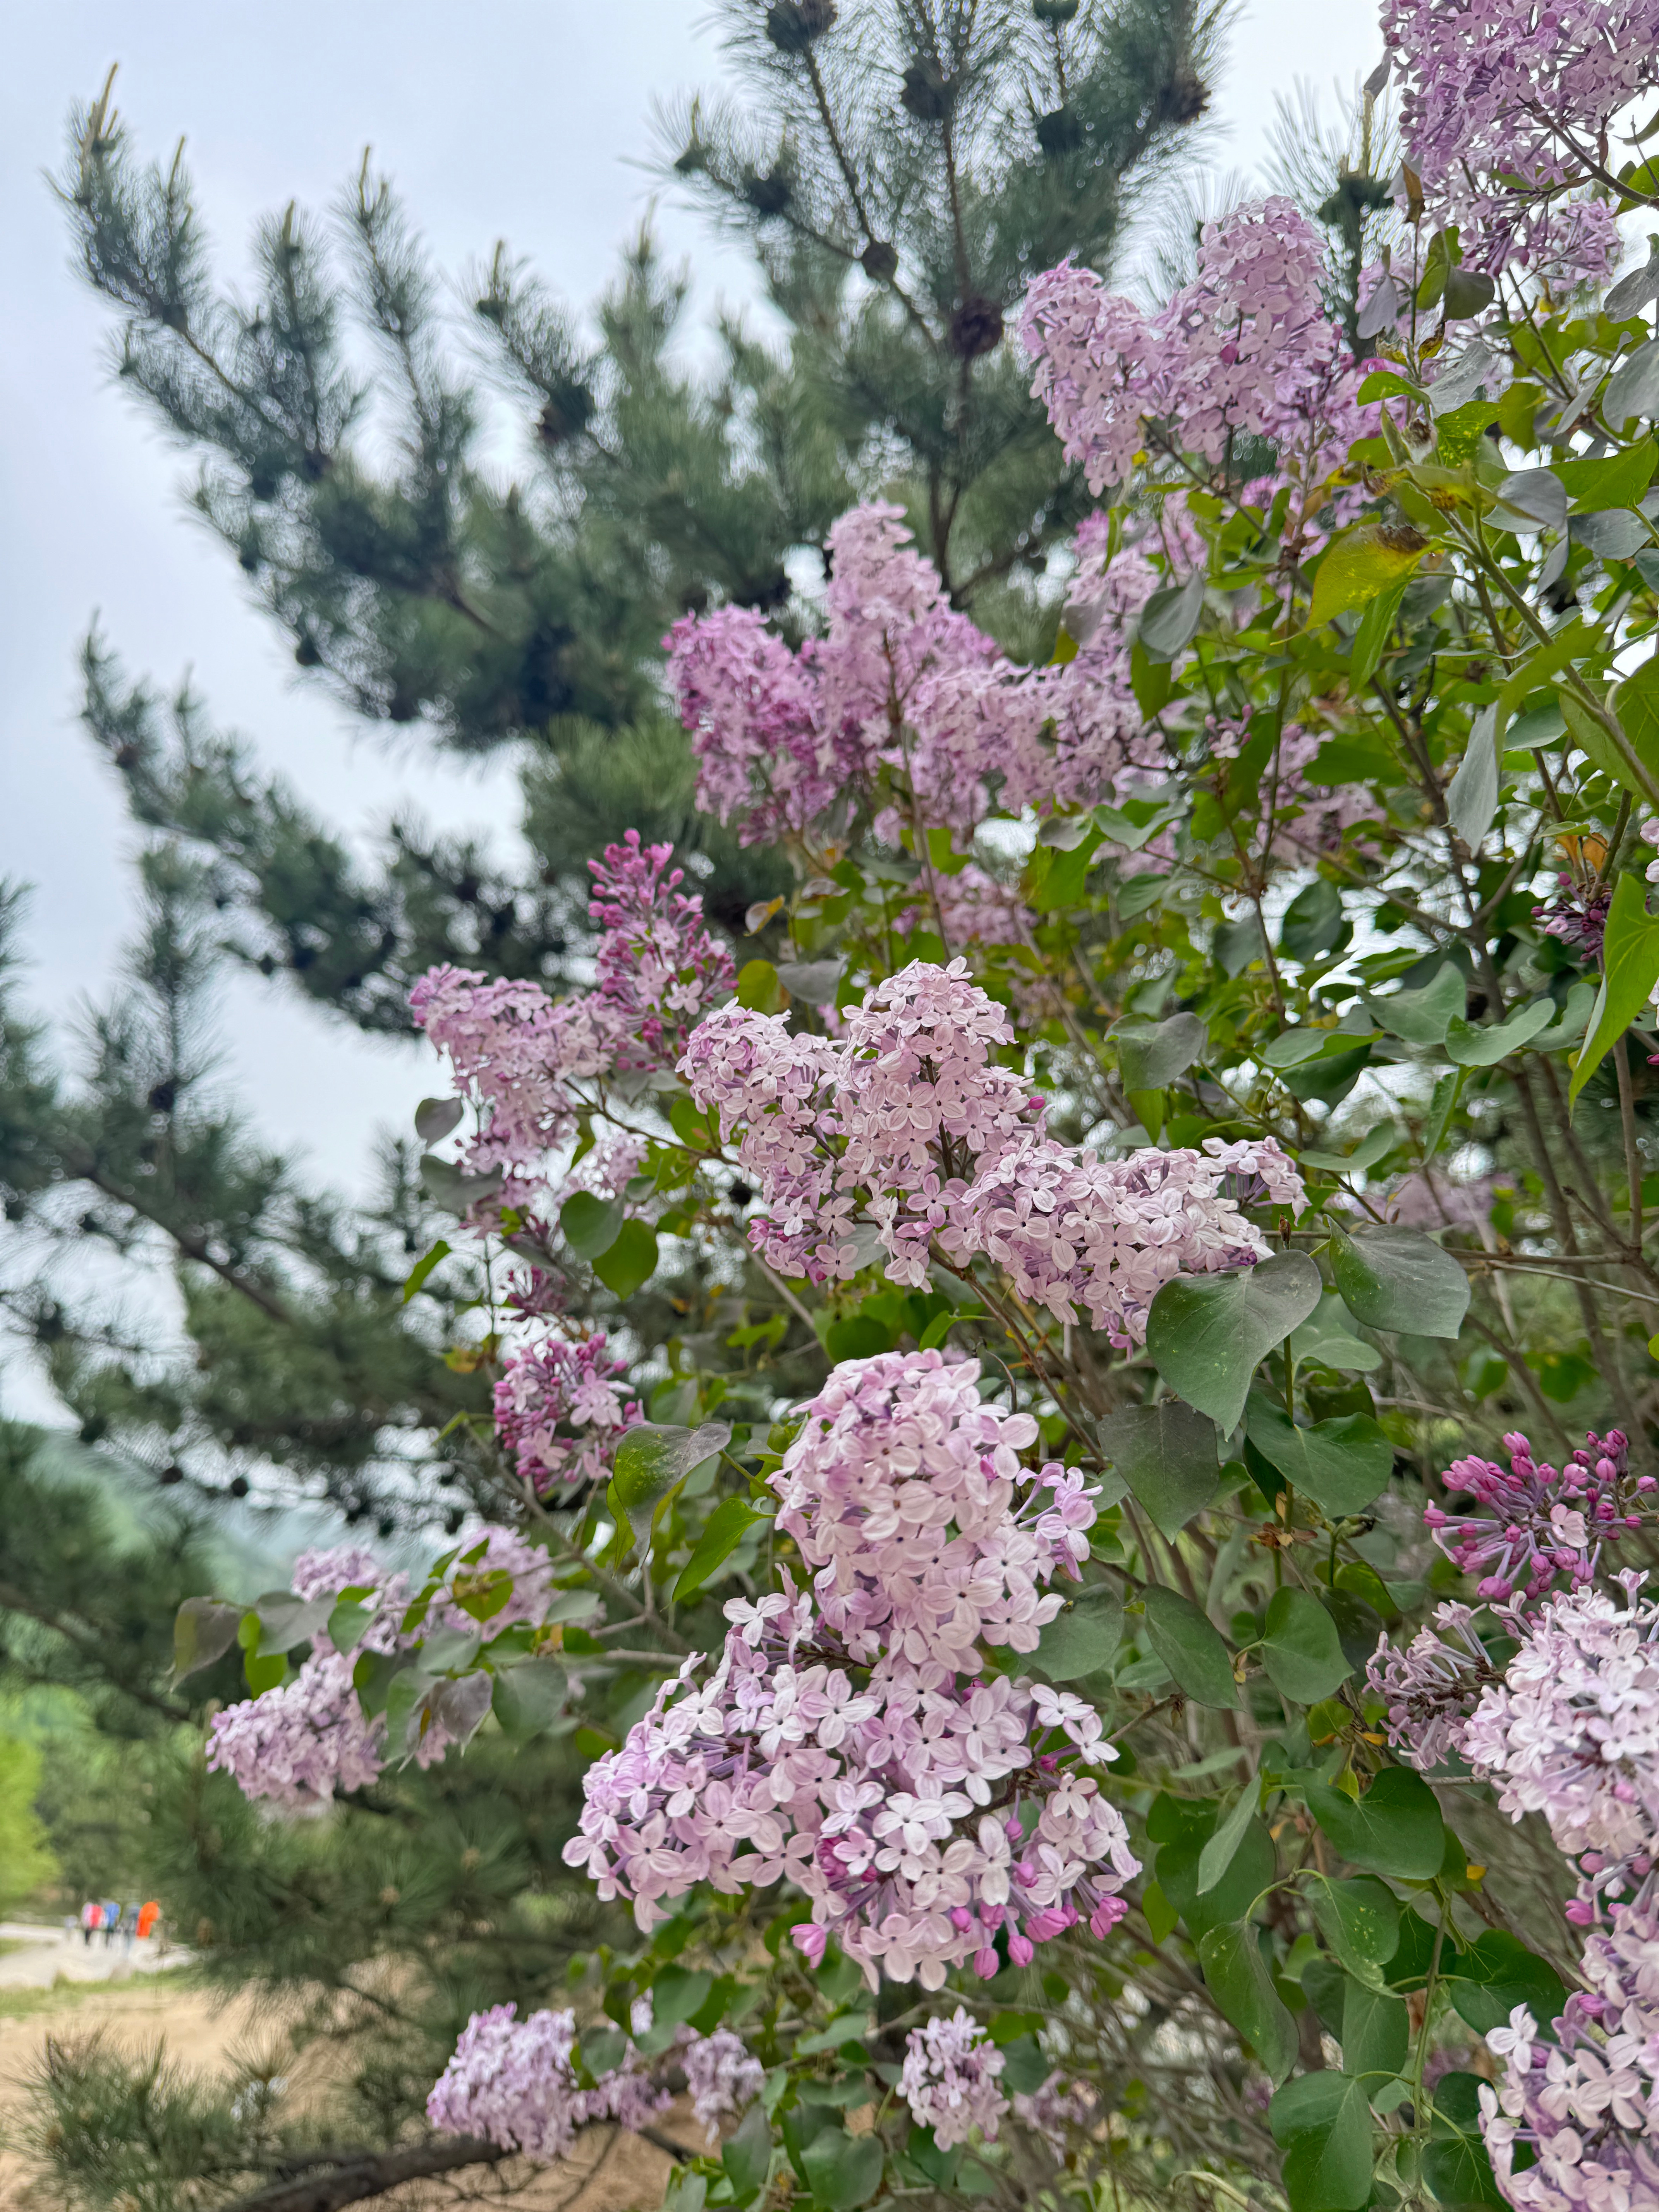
<point>1361,563</point>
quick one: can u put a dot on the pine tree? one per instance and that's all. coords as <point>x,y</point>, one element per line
<point>900,170</point>
<point>904,169</point>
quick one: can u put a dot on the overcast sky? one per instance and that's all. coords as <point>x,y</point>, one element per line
<point>498,119</point>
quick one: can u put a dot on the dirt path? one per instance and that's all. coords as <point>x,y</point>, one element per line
<point>201,2031</point>
<point>35,1956</point>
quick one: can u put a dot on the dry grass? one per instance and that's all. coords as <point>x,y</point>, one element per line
<point>203,2031</point>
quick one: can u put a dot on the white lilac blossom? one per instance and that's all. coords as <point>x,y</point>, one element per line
<point>1586,2103</point>
<point>513,2082</point>
<point>721,2074</point>
<point>951,2079</point>
<point>908,1119</point>
<point>1431,1687</point>
<point>300,1744</point>
<point>1540,1523</point>
<point>1572,1730</point>
<point>928,1810</point>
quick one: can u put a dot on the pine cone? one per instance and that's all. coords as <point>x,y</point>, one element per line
<point>565,415</point>
<point>928,93</point>
<point>770,589</point>
<point>792,24</point>
<point>879,261</point>
<point>1185,97</point>
<point>1060,131</point>
<point>766,195</point>
<point>975,327</point>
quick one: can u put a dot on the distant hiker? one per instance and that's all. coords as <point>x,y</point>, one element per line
<point>148,1916</point>
<point>92,1916</point>
<point>111,1910</point>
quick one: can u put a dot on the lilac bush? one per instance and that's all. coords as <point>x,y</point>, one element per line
<point>974,1362</point>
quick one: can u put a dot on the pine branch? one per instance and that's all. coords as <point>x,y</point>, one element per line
<point>356,2174</point>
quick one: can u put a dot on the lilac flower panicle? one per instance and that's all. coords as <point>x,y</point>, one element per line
<point>1430,1688</point>
<point>938,1142</point>
<point>951,2079</point>
<point>513,2082</point>
<point>1572,1730</point>
<point>515,1052</point>
<point>560,1407</point>
<point>1076,1231</point>
<point>902,690</point>
<point>1585,2103</point>
<point>722,2075</point>
<point>1541,1523</point>
<point>1056,2111</point>
<point>1245,349</point>
<point>300,1745</point>
<point>1505,105</point>
<point>847,1740</point>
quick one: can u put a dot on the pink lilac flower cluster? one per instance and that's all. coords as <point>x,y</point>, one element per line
<point>1246,350</point>
<point>1429,1199</point>
<point>560,1405</point>
<point>1307,818</point>
<point>929,1811</point>
<point>513,2082</point>
<point>902,689</point>
<point>1507,104</point>
<point>1585,2103</point>
<point>656,966</point>
<point>900,679</point>
<point>1431,1687</point>
<point>892,1117</point>
<point>1576,920</point>
<point>907,1118</point>
<point>1572,1730</point>
<point>515,1051</point>
<point>722,2075</point>
<point>297,1745</point>
<point>1072,1230</point>
<point>1055,2110</point>
<point>1540,1524</point>
<point>951,2079</point>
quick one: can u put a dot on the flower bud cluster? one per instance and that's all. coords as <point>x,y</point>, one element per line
<point>1541,1524</point>
<point>931,1812</point>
